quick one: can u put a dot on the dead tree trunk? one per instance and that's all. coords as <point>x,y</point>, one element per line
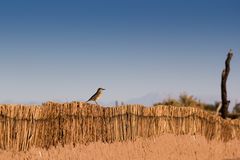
<point>225,72</point>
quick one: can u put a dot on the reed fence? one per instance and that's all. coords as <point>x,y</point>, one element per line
<point>50,124</point>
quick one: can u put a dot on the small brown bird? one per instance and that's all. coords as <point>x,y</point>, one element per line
<point>96,96</point>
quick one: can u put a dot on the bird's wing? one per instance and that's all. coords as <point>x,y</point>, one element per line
<point>90,99</point>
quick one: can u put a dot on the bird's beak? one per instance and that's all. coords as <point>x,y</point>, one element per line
<point>104,89</point>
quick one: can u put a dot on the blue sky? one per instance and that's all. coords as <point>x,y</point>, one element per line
<point>64,50</point>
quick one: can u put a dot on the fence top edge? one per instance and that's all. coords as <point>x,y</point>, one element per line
<point>54,109</point>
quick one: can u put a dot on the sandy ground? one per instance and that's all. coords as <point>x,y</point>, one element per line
<point>166,147</point>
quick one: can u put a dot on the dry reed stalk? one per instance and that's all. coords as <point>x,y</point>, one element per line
<point>50,124</point>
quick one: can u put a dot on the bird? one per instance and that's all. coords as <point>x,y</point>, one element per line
<point>97,95</point>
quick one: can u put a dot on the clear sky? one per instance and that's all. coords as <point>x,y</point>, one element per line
<point>65,50</point>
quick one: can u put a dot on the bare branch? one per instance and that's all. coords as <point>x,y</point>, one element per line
<point>225,73</point>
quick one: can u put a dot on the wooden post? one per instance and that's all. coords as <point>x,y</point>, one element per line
<point>225,72</point>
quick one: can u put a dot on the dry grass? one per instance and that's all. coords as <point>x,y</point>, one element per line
<point>167,147</point>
